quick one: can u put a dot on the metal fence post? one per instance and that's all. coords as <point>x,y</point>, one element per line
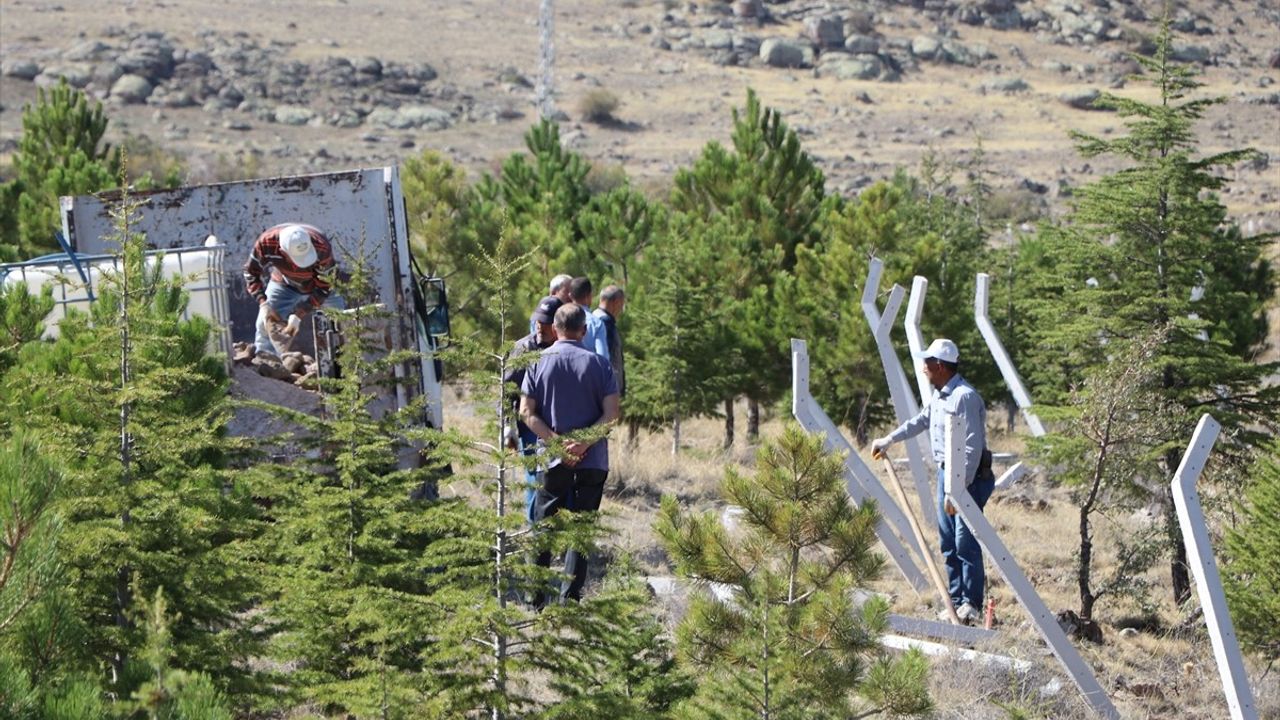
<point>1011,377</point>
<point>1222,634</point>
<point>904,400</point>
<point>1044,620</point>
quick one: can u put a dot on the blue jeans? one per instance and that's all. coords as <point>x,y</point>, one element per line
<point>284,299</point>
<point>960,549</point>
<point>532,478</point>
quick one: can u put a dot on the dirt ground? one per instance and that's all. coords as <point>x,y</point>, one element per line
<point>672,102</point>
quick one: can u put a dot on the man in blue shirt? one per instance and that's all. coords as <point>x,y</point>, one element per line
<point>570,389</point>
<point>595,338</point>
<point>953,395</point>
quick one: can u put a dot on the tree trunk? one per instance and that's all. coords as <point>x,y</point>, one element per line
<point>1179,577</point>
<point>633,435</point>
<point>728,423</point>
<point>753,421</point>
<point>675,435</point>
<point>1011,414</point>
<point>860,432</point>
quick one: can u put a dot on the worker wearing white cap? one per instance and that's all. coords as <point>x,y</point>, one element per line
<point>953,395</point>
<point>297,262</point>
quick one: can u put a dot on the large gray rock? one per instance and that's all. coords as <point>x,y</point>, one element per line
<point>410,116</point>
<point>131,88</point>
<point>425,117</point>
<point>77,75</point>
<point>1081,99</point>
<point>1188,53</point>
<point>825,31</point>
<point>86,50</point>
<point>851,67</point>
<point>368,66</point>
<point>926,47</point>
<point>21,69</point>
<point>150,56</point>
<point>780,52</point>
<point>105,74</point>
<point>293,114</point>
<point>1005,85</point>
<point>861,45</point>
<point>718,40</point>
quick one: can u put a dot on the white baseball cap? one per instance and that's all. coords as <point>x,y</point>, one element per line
<point>296,242</point>
<point>940,349</point>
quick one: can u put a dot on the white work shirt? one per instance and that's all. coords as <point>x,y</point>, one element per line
<point>958,398</point>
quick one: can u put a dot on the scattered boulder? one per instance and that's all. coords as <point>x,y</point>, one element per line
<point>77,75</point>
<point>86,50</point>
<point>293,115</point>
<point>1081,99</point>
<point>271,367</point>
<point>926,47</point>
<point>1273,60</point>
<point>21,69</point>
<point>410,116</point>
<point>850,67</point>
<point>131,89</point>
<point>861,45</point>
<point>780,52</point>
<point>1006,85</point>
<point>825,31</point>
<point>1188,53</point>
<point>243,353</point>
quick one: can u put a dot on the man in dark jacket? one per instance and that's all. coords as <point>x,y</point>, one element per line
<point>543,335</point>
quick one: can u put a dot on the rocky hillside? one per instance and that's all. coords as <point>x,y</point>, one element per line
<point>236,86</point>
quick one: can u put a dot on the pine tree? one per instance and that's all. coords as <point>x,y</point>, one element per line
<point>491,649</point>
<point>131,404</point>
<point>681,354</point>
<point>1151,246</point>
<point>616,228</point>
<point>356,559</point>
<point>29,527</point>
<point>21,319</point>
<point>1252,575</point>
<point>58,154</point>
<point>172,694</point>
<point>774,193</point>
<point>790,642</point>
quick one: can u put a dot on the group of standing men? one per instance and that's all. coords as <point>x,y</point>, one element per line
<point>579,380</point>
<point>568,399</point>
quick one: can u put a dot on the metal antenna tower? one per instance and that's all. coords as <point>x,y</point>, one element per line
<point>545,92</point>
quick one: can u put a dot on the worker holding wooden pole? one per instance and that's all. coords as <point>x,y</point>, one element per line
<point>953,395</point>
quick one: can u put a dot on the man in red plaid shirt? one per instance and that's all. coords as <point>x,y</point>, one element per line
<point>290,273</point>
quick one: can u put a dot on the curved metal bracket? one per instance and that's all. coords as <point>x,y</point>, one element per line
<point>904,401</point>
<point>1195,534</point>
<point>1044,620</point>
<point>915,339</point>
<point>1011,377</point>
<point>862,483</point>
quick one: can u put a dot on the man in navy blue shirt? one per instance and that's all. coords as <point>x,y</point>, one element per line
<point>570,389</point>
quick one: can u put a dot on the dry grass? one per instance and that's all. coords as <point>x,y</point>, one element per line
<point>1153,674</point>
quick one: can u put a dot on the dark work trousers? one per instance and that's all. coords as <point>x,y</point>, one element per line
<point>960,549</point>
<point>575,490</point>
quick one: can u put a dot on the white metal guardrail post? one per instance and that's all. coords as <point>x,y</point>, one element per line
<point>904,401</point>
<point>915,339</point>
<point>1222,634</point>
<point>862,483</point>
<point>1011,377</point>
<point>1044,620</point>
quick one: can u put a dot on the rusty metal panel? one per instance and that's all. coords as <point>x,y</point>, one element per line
<point>349,207</point>
<point>360,211</point>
